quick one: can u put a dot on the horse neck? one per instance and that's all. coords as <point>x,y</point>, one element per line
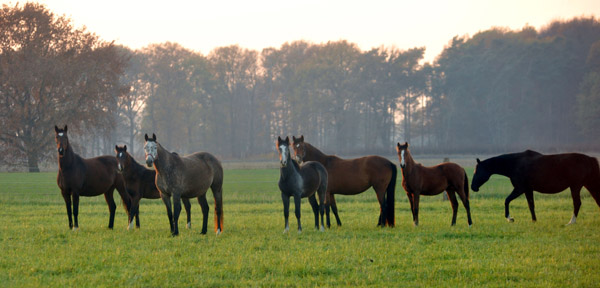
<point>68,159</point>
<point>164,159</point>
<point>409,163</point>
<point>503,165</point>
<point>135,169</point>
<point>313,154</point>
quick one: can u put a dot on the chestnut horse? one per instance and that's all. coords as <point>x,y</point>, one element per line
<point>549,174</point>
<point>419,180</point>
<point>87,177</point>
<point>353,176</point>
<point>139,182</point>
<point>186,177</point>
<point>300,182</point>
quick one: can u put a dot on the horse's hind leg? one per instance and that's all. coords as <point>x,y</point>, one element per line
<point>416,197</point>
<point>454,203</point>
<point>576,195</point>
<point>465,200</point>
<point>188,211</point>
<point>410,201</point>
<point>315,207</point>
<point>217,190</point>
<point>205,209</point>
<point>335,211</point>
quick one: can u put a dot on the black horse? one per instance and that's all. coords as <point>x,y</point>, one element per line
<point>139,182</point>
<point>300,182</point>
<point>532,171</point>
<point>87,177</point>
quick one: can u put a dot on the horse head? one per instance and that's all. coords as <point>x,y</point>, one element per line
<point>283,147</point>
<point>402,151</point>
<point>480,176</point>
<point>299,148</point>
<point>123,159</point>
<point>150,149</point>
<point>62,141</point>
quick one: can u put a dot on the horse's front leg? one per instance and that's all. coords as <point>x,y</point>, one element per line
<point>286,211</point>
<point>335,211</point>
<point>75,196</point>
<point>315,207</point>
<point>454,204</point>
<point>576,196</point>
<point>416,197</point>
<point>514,194</point>
<point>297,201</point>
<point>167,200</point>
<point>410,201</point>
<point>176,212</point>
<point>188,211</point>
<point>68,202</point>
<point>531,204</point>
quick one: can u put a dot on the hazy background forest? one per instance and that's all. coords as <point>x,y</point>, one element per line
<point>496,91</point>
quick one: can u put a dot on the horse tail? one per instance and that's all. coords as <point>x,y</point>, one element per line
<point>466,188</point>
<point>390,216</point>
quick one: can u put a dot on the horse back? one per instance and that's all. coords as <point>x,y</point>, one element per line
<point>101,175</point>
<point>435,179</point>
<point>555,173</point>
<point>353,176</point>
<point>201,170</point>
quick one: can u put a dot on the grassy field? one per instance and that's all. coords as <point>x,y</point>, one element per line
<point>38,249</point>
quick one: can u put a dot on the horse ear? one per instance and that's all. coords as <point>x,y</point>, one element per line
<point>478,161</point>
<point>55,128</point>
<point>406,144</point>
<point>294,138</point>
<point>125,148</point>
<point>301,138</point>
<point>116,148</point>
<point>153,137</point>
<point>287,139</point>
<point>146,137</point>
<point>65,128</point>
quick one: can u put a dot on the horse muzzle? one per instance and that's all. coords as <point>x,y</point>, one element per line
<point>475,189</point>
<point>149,161</point>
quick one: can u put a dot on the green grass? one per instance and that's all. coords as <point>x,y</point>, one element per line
<point>38,249</point>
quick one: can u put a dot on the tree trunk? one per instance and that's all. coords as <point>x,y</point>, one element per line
<point>32,162</point>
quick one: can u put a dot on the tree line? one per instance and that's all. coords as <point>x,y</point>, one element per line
<point>498,90</point>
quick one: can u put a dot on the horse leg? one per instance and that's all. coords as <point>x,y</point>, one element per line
<point>286,211</point>
<point>167,200</point>
<point>330,199</point>
<point>315,207</point>
<point>205,209</point>
<point>531,204</point>
<point>381,199</point>
<point>218,195</point>
<point>176,212</point>
<point>410,201</point>
<point>133,211</point>
<point>112,208</point>
<point>575,194</point>
<point>335,211</point>
<point>416,197</point>
<point>322,191</point>
<point>297,211</point>
<point>188,211</point>
<point>454,204</point>
<point>465,201</point>
<point>67,198</point>
<point>514,194</point>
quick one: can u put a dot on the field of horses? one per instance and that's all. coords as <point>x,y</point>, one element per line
<point>38,249</point>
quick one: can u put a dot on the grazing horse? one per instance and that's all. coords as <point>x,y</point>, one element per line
<point>419,180</point>
<point>549,174</point>
<point>87,177</point>
<point>353,176</point>
<point>186,177</point>
<point>139,182</point>
<point>300,182</point>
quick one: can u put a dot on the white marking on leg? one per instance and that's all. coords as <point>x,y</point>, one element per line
<point>287,228</point>
<point>573,219</point>
<point>218,231</point>
<point>510,219</point>
<point>189,225</point>
<point>75,229</point>
<point>130,227</point>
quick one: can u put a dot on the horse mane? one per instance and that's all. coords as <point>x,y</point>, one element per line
<point>316,152</point>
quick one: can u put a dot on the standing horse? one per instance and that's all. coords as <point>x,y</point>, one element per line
<point>87,177</point>
<point>419,180</point>
<point>139,182</point>
<point>354,176</point>
<point>186,177</point>
<point>549,174</point>
<point>300,182</point>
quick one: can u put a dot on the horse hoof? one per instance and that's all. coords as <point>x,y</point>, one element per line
<point>188,225</point>
<point>286,230</point>
<point>322,229</point>
<point>470,225</point>
<point>218,232</point>
<point>510,220</point>
<point>75,229</point>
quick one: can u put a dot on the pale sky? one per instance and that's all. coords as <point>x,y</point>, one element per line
<point>256,24</point>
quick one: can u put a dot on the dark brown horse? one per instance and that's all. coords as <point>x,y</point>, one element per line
<point>532,171</point>
<point>186,177</point>
<point>300,182</point>
<point>353,176</point>
<point>139,182</point>
<point>419,180</point>
<point>87,177</point>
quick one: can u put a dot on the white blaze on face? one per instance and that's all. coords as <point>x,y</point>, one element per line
<point>61,134</point>
<point>402,162</point>
<point>283,151</point>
